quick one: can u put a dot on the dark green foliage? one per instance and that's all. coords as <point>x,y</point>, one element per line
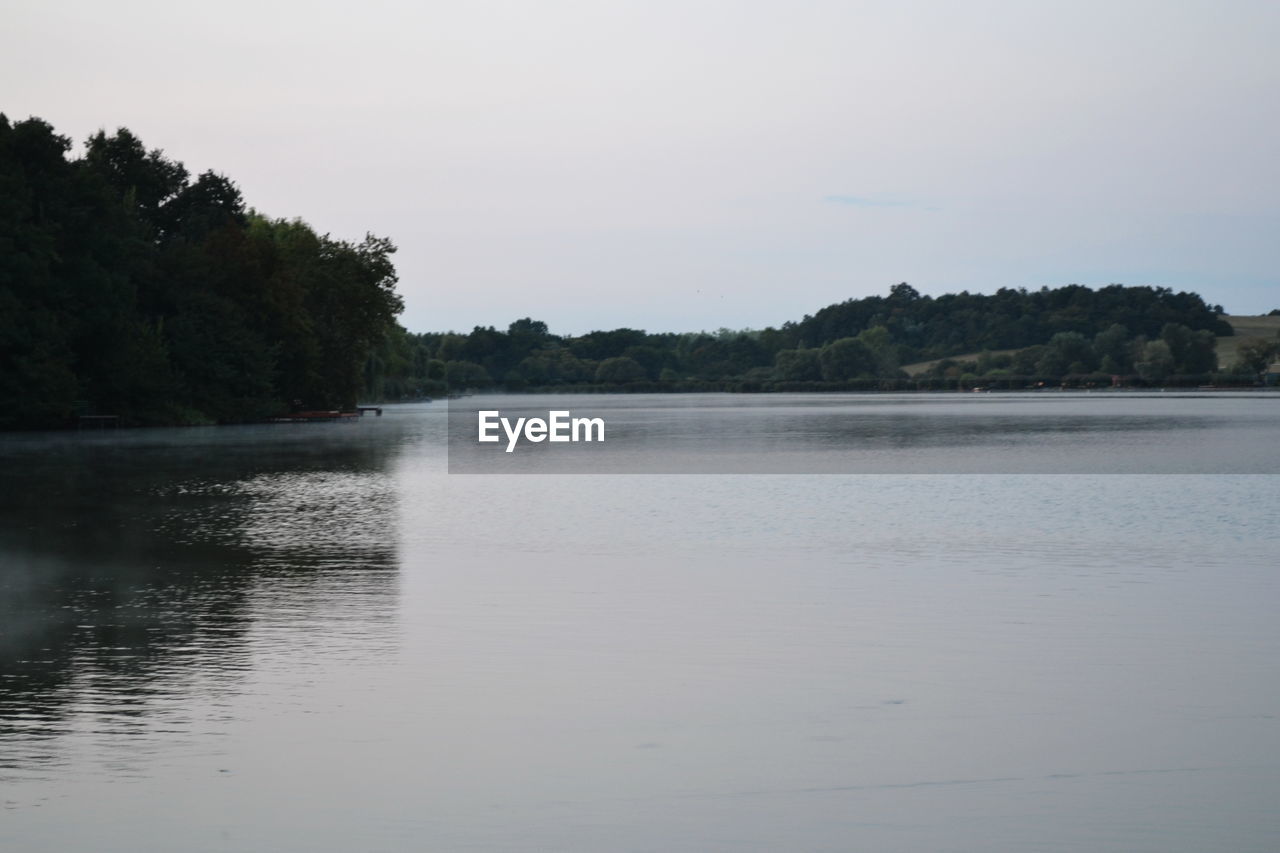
<point>619,370</point>
<point>1071,333</point>
<point>798,365</point>
<point>1113,350</point>
<point>1255,356</point>
<point>1066,352</point>
<point>847,358</point>
<point>126,288</point>
<point>926,327</point>
<point>1193,352</point>
<point>1179,355</point>
<point>1157,361</point>
<point>466,374</point>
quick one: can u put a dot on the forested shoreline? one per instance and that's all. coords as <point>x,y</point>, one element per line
<point>1071,336</point>
<point>131,289</point>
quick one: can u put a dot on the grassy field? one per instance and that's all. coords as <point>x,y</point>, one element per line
<point>921,366</point>
<point>1247,329</point>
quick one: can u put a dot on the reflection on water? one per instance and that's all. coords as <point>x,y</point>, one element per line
<point>307,638</point>
<point>327,517</point>
<point>143,574</point>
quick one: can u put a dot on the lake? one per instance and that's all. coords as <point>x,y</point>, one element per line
<point>1040,622</point>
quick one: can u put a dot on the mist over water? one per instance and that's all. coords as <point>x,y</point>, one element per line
<point>311,637</point>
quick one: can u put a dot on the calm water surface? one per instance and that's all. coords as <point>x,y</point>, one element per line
<point>312,638</point>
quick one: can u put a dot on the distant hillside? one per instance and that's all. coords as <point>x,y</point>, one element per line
<point>1248,329</point>
<point>1014,337</point>
<point>926,327</point>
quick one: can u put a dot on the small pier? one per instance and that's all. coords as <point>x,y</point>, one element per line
<point>315,417</point>
<point>318,415</point>
<point>98,421</point>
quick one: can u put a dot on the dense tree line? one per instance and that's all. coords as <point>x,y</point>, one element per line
<point>1142,334</point>
<point>927,327</point>
<point>1176,352</point>
<point>128,287</point>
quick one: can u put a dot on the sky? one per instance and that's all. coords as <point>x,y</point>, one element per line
<point>678,166</point>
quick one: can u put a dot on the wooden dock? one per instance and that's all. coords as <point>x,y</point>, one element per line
<point>317,416</point>
<point>321,415</point>
<point>98,421</point>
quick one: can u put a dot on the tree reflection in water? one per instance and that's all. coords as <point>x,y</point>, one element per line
<point>144,576</point>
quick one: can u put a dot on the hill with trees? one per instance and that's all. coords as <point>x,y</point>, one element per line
<point>1073,334</point>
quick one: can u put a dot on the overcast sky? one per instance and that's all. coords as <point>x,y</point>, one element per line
<point>696,164</point>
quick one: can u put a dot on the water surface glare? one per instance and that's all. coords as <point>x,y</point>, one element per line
<point>310,637</point>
